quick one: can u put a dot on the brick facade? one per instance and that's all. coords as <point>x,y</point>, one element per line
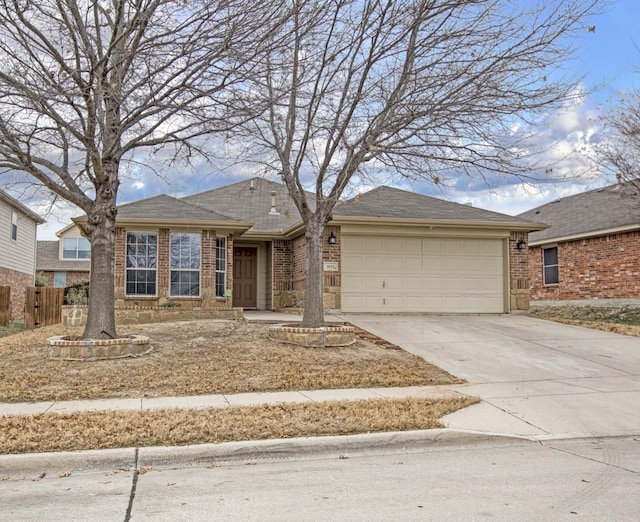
<point>518,272</point>
<point>18,281</point>
<point>603,267</point>
<point>71,277</point>
<point>207,298</point>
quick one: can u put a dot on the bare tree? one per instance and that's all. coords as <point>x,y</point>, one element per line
<point>620,151</point>
<point>422,88</point>
<point>84,84</point>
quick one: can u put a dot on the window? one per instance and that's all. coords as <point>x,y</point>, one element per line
<point>185,265</point>
<point>142,263</point>
<point>59,279</point>
<point>76,248</point>
<point>221,266</point>
<point>550,265</point>
<point>14,225</point>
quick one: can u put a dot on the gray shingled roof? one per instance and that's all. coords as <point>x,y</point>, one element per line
<point>587,213</point>
<point>167,208</point>
<point>388,202</point>
<point>250,201</point>
<point>48,258</point>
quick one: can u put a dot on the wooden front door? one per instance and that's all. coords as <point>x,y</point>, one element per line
<point>245,279</point>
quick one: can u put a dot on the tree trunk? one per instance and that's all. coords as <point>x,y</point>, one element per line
<point>313,316</point>
<point>101,320</point>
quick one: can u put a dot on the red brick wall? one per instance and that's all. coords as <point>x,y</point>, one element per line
<point>207,297</point>
<point>18,281</point>
<point>518,272</point>
<point>605,267</point>
<point>282,265</point>
<point>72,277</point>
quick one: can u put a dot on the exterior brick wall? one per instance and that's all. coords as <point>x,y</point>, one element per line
<point>604,267</point>
<point>207,297</point>
<point>18,281</point>
<point>518,272</point>
<point>72,277</point>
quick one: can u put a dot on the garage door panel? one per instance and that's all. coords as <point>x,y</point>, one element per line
<point>402,274</point>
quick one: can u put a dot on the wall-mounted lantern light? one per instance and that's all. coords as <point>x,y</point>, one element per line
<point>332,239</point>
<point>521,245</point>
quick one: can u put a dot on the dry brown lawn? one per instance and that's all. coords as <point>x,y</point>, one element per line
<point>172,427</point>
<point>203,357</point>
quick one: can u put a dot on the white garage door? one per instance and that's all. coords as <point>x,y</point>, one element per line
<point>418,274</point>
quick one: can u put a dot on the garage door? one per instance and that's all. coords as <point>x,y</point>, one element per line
<point>418,274</point>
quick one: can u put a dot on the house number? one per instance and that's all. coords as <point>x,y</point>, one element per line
<point>330,266</point>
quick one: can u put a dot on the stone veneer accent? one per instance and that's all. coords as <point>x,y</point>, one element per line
<point>77,315</point>
<point>63,347</point>
<point>325,336</point>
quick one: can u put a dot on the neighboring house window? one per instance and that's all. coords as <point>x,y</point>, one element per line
<point>59,279</point>
<point>185,265</point>
<point>550,265</point>
<point>221,266</point>
<point>14,225</point>
<point>76,248</point>
<point>142,263</point>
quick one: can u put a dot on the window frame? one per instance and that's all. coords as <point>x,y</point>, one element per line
<point>184,270</point>
<point>77,249</point>
<point>221,267</point>
<point>14,225</point>
<point>130,269</point>
<point>546,266</point>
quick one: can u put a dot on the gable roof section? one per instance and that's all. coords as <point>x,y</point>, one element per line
<point>15,203</point>
<point>597,212</point>
<point>387,203</point>
<point>250,200</point>
<point>48,258</point>
<point>166,209</point>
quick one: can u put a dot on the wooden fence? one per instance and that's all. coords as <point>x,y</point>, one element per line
<point>43,306</point>
<point>5,305</point>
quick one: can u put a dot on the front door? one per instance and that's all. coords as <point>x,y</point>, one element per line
<point>245,280</point>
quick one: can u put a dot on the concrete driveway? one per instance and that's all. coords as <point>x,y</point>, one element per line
<point>536,378</point>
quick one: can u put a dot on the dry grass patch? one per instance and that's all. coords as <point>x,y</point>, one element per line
<point>203,357</point>
<point>172,427</point>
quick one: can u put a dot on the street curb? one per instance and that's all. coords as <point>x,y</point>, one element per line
<point>32,465</point>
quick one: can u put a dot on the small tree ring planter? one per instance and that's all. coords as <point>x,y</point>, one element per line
<point>70,349</point>
<point>331,335</point>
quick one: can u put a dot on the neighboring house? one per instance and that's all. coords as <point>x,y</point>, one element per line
<point>591,249</point>
<point>17,250</point>
<point>65,261</point>
<point>387,250</point>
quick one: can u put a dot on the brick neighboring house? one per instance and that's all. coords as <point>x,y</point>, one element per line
<point>65,261</point>
<point>591,249</point>
<point>387,250</point>
<point>18,227</point>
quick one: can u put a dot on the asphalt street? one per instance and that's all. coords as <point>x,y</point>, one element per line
<point>491,479</point>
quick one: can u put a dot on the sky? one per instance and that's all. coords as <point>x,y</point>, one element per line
<point>607,58</point>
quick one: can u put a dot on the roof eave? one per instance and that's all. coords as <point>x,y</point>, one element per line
<point>25,210</point>
<point>448,223</point>
<point>239,226</point>
<point>584,235</point>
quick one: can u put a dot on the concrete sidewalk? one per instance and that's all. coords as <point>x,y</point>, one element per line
<point>538,380</point>
<point>225,400</point>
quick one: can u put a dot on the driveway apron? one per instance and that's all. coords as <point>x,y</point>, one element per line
<point>537,378</point>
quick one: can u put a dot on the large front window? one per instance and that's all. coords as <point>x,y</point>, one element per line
<point>142,264</point>
<point>185,265</point>
<point>221,266</point>
<point>76,248</point>
<point>550,265</point>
